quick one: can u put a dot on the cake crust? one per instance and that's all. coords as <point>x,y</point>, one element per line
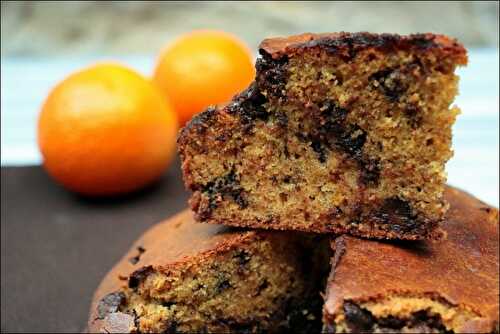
<point>458,276</point>
<point>337,129</point>
<point>348,43</point>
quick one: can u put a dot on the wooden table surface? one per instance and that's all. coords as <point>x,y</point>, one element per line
<point>56,247</point>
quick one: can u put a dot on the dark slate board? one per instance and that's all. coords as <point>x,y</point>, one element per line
<point>56,247</point>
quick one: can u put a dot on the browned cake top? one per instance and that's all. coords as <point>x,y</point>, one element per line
<point>463,270</point>
<point>349,43</point>
<point>165,246</point>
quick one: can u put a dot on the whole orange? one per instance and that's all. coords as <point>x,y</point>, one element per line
<point>203,68</point>
<point>106,130</point>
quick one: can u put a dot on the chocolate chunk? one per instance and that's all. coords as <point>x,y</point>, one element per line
<point>138,276</point>
<point>391,322</point>
<point>358,319</point>
<point>345,47</point>
<point>222,283</point>
<point>423,42</point>
<point>171,327</point>
<point>168,303</point>
<point>370,172</point>
<point>320,149</point>
<point>391,82</point>
<point>200,122</point>
<point>228,185</point>
<point>242,257</point>
<point>333,112</point>
<point>414,115</point>
<point>136,258</point>
<point>351,140</point>
<point>272,74</point>
<point>262,286</point>
<point>249,105</point>
<point>110,304</point>
<point>282,119</point>
<point>397,215</point>
<point>333,132</point>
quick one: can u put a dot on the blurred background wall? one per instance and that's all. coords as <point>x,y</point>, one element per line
<point>66,28</point>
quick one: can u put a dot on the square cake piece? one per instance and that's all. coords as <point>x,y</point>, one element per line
<point>185,277</point>
<point>420,287</point>
<point>341,132</point>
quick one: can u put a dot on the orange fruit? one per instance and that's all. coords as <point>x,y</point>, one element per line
<point>203,68</point>
<point>106,130</point>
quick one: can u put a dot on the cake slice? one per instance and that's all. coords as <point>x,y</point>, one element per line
<point>420,287</point>
<point>343,133</point>
<point>185,277</point>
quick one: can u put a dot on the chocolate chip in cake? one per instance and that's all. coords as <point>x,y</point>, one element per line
<point>249,105</point>
<point>222,283</point>
<point>391,82</point>
<point>431,323</point>
<point>200,122</point>
<point>171,327</point>
<point>333,113</point>
<point>136,258</point>
<point>334,133</point>
<point>414,115</point>
<point>370,172</point>
<point>138,276</point>
<point>168,303</point>
<point>359,320</point>
<point>242,257</point>
<point>391,322</point>
<point>397,215</point>
<point>272,74</point>
<point>320,149</point>
<point>352,140</point>
<point>262,286</point>
<point>227,185</point>
<point>423,42</point>
<point>282,119</point>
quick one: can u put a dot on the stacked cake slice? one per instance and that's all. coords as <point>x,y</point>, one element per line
<point>341,136</point>
<point>186,277</point>
<point>343,133</point>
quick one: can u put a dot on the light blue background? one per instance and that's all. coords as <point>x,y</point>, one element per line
<point>475,166</point>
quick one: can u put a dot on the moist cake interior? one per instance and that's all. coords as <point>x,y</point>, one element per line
<point>322,143</point>
<point>269,285</point>
<point>401,314</point>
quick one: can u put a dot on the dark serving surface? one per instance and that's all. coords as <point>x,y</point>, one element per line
<point>56,247</point>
